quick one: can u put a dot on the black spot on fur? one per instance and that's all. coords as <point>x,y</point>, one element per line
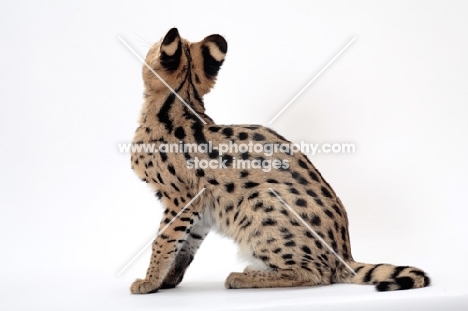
<point>302,164</point>
<point>227,159</point>
<point>315,220</point>
<point>258,137</point>
<point>175,187</point>
<point>214,129</point>
<point>318,201</point>
<point>294,223</point>
<point>329,214</point>
<point>290,243</point>
<point>171,169</point>
<point>250,184</point>
<point>244,174</point>
<point>163,156</point>
<point>264,258</point>
<point>306,249</point>
<point>243,135</point>
<point>229,187</point>
<point>313,176</point>
<point>158,194</point>
<point>318,244</point>
<point>196,236</point>
<point>213,181</point>
<point>272,181</point>
<point>228,208</point>
<point>180,228</point>
<point>160,178</point>
<point>179,133</point>
<point>334,246</point>
<point>200,173</point>
<point>269,222</point>
<point>257,205</point>
<point>336,209</point>
<point>293,191</point>
<point>299,178</point>
<point>326,192</point>
<point>343,233</point>
<point>213,154</point>
<point>245,224</point>
<point>227,132</point>
<point>301,202</point>
<point>253,196</point>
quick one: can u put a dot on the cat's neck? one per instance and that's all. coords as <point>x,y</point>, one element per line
<point>164,111</point>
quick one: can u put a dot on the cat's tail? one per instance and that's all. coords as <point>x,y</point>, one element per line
<point>387,277</point>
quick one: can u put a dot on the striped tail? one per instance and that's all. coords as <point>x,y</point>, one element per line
<point>388,277</point>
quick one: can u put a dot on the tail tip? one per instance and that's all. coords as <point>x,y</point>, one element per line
<point>401,283</point>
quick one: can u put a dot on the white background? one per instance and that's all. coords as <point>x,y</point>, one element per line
<point>73,213</point>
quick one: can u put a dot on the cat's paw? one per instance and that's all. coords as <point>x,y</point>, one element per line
<point>234,280</point>
<point>143,287</point>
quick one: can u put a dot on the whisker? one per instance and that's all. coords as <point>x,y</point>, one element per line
<point>143,40</point>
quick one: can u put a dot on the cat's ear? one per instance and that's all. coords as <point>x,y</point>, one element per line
<point>214,49</point>
<point>171,50</point>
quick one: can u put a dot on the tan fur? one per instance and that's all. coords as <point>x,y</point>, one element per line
<point>171,48</point>
<point>237,202</point>
<point>215,52</point>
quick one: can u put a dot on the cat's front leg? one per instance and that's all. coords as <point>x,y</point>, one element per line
<point>174,230</point>
<point>183,259</point>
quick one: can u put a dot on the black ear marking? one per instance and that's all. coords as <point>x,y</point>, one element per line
<point>219,41</point>
<point>214,50</point>
<point>171,50</point>
<point>171,36</point>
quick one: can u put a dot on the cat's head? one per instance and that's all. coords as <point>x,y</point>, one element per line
<point>183,64</point>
